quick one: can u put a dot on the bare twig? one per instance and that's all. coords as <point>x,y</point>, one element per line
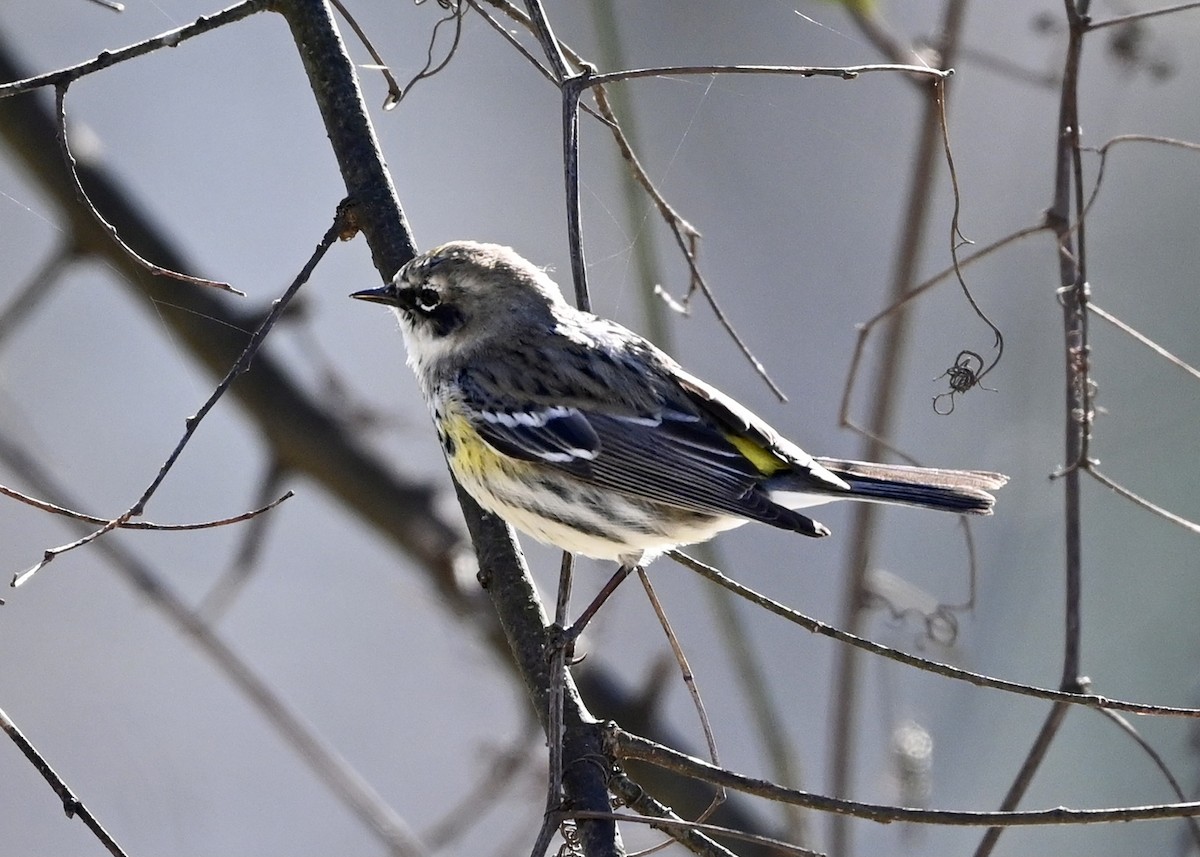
<point>628,746</point>
<point>571,86</point>
<point>1029,767</point>
<point>60,95</point>
<point>1141,16</point>
<point>193,422</point>
<point>395,93</point>
<point>1145,340</point>
<point>1121,139</point>
<point>689,681</point>
<point>106,59</point>
<point>324,761</point>
<point>845,72</point>
<point>71,804</point>
<point>815,626</point>
<point>1137,499</point>
<point>1159,762</point>
<point>632,795</point>
<point>683,831</point>
<point>46,506</point>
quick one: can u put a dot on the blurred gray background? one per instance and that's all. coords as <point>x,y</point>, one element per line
<point>798,186</point>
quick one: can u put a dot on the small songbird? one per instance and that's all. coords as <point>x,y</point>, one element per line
<point>586,436</point>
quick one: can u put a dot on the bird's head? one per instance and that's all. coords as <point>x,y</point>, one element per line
<point>465,295</point>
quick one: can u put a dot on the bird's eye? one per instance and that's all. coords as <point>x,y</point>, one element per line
<point>428,299</point>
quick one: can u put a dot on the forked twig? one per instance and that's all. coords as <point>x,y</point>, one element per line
<point>686,236</point>
<point>336,230</point>
<point>47,506</point>
<point>1120,139</point>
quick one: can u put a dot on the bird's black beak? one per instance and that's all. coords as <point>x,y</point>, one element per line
<point>388,295</point>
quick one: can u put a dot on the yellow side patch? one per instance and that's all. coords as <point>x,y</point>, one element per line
<point>764,461</point>
<point>473,459</point>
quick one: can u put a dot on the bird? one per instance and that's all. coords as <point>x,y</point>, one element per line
<point>586,436</point>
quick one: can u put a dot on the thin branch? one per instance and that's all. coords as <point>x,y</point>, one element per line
<point>309,439</point>
<point>1120,139</point>
<point>1159,762</point>
<point>71,804</point>
<point>669,825</point>
<point>342,780</point>
<point>625,745</point>
<point>1137,499</point>
<point>1141,16</point>
<point>689,681</point>
<point>335,231</point>
<point>105,59</point>
<point>1145,340</point>
<point>685,833</point>
<point>395,93</point>
<point>847,72</point>
<point>60,96</point>
<point>540,27</point>
<point>815,626</point>
<point>47,506</point>
<point>1024,778</point>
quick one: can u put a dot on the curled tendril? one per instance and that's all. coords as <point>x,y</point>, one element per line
<point>964,375</point>
<point>939,626</point>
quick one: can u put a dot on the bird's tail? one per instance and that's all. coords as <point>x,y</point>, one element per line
<point>961,491</point>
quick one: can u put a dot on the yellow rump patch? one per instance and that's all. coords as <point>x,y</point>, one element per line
<point>764,461</point>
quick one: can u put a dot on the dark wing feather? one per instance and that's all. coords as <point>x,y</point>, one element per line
<point>555,435</point>
<point>657,445</point>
